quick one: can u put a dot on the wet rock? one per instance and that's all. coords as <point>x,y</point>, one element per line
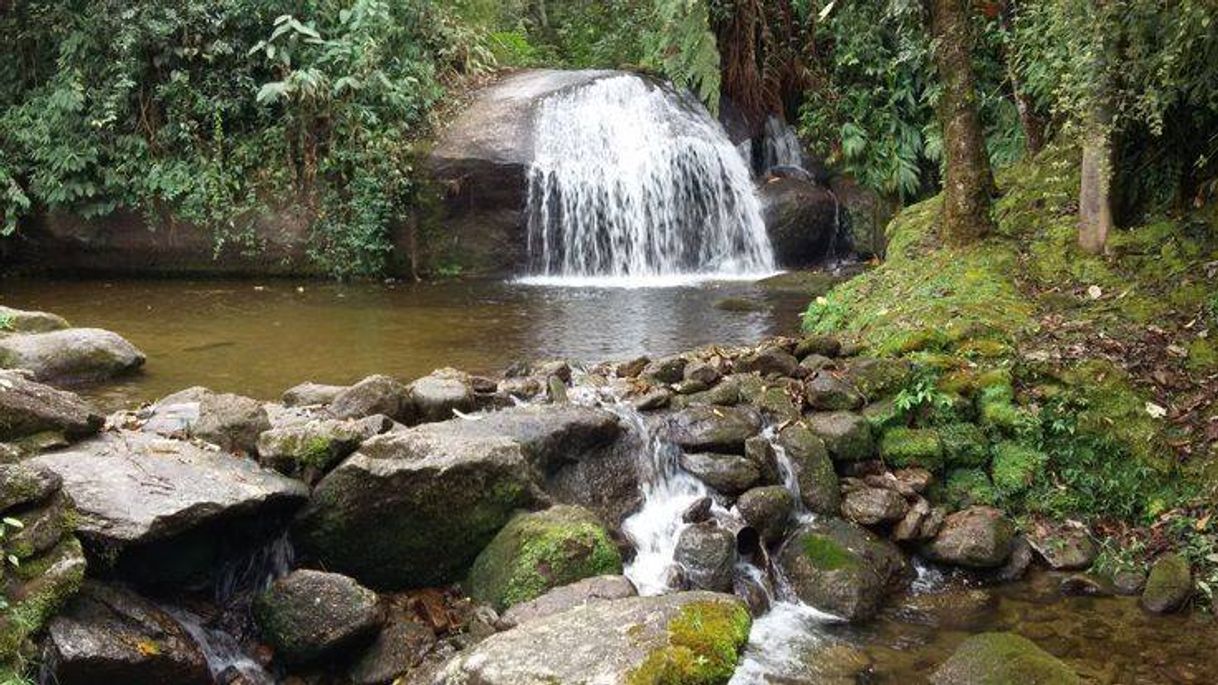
<point>1063,548</point>
<point>36,590</point>
<point>827,391</point>
<point>1169,584</point>
<point>307,616</point>
<point>1016,566</point>
<point>875,377</point>
<point>690,387</point>
<point>699,511</point>
<point>729,474</point>
<point>753,592</point>
<point>954,609</point>
<point>26,483</point>
<point>438,395</point>
<point>73,355</point>
<point>413,508</point>
<point>525,388</point>
<point>27,407</point>
<point>556,390</point>
<point>702,372</point>
<point>108,634</point>
<point>912,447</point>
<point>42,527</point>
<point>1085,585</point>
<point>685,637</point>
<point>309,394</point>
<point>375,395</point>
<point>1001,658</point>
<point>815,362</point>
<point>812,468</point>
<point>801,219</point>
<point>872,506</point>
<point>153,506</point>
<point>399,646</point>
<point>21,321</point>
<point>1128,583</point>
<point>841,568</point>
<point>537,552</point>
<point>823,345</point>
<point>768,510</point>
<point>977,537</point>
<point>632,368</point>
<point>707,553</point>
<point>768,361</point>
<point>714,429</point>
<point>560,368</point>
<point>666,370</point>
<point>847,435</point>
<point>231,421</point>
<point>567,597</point>
<point>934,523</point>
<point>653,400</point>
<point>313,448</point>
<point>910,526</point>
<point>780,404</point>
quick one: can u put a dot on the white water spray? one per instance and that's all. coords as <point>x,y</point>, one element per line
<point>632,183</point>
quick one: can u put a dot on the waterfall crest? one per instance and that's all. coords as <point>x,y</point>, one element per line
<point>633,183</point>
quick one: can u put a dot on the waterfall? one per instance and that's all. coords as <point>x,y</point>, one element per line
<point>633,184</point>
<point>782,146</point>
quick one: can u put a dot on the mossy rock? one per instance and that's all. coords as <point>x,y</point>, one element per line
<point>1015,467</point>
<point>905,447</point>
<point>966,487</point>
<point>536,552</point>
<point>964,445</point>
<point>1002,659</point>
<point>43,584</point>
<point>704,644</point>
<point>996,408</point>
<point>1169,584</point>
<point>878,377</point>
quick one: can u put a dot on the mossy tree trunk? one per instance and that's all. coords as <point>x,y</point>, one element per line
<point>1095,191</point>
<point>969,181</point>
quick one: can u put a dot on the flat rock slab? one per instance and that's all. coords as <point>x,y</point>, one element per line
<point>27,407</point>
<point>73,355</point>
<point>603,642</point>
<point>167,510</point>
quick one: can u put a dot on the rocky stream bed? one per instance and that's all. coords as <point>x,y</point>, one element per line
<point>752,514</point>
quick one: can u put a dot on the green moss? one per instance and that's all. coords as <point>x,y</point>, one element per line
<point>1015,467</point>
<point>882,414</point>
<point>1203,355</point>
<point>826,554</point>
<point>704,644</point>
<point>536,552</point>
<point>48,582</point>
<point>904,447</point>
<point>1003,659</point>
<point>965,487</point>
<point>964,445</point>
<point>996,408</point>
<point>1110,408</point>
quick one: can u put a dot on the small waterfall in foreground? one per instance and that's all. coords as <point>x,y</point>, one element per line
<point>633,182</point>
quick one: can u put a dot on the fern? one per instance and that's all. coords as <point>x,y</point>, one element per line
<point>683,47</point>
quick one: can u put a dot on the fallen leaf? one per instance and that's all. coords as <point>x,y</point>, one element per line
<point>1155,411</point>
<point>1094,292</point>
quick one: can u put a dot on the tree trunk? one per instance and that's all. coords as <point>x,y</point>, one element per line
<point>969,181</point>
<point>1033,126</point>
<point>1095,193</point>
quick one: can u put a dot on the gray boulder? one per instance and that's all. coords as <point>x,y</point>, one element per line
<point>873,506</point>
<point>26,483</point>
<point>768,510</point>
<point>154,506</point>
<point>730,474</point>
<point>231,421</point>
<point>567,597</point>
<point>1065,548</point>
<point>768,361</point>
<point>1169,584</point>
<point>22,321</point>
<point>438,395</point>
<point>399,647</point>
<point>841,568</point>
<point>812,468</point>
<point>308,394</point>
<point>617,641</point>
<point>73,355</point>
<point>846,434</point>
<point>307,616</point>
<point>828,391</point>
<point>976,537</point>
<point>110,635</point>
<point>801,219</point>
<point>375,395</point>
<point>27,407</point>
<point>707,553</point>
<point>413,508</point>
<point>714,429</point>
<point>316,446</point>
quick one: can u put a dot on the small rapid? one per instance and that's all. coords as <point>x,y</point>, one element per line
<point>634,184</point>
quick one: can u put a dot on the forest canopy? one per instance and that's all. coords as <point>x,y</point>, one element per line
<point>215,113</point>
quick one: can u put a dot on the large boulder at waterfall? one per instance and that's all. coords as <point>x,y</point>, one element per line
<point>976,537</point>
<point>111,635</point>
<point>481,162</point>
<point>801,219</point>
<point>154,508</point>
<point>687,637</point>
<point>536,552</point>
<point>841,568</point>
<point>714,429</point>
<point>73,355</point>
<point>567,597</point>
<point>413,508</point>
<point>309,615</point>
<point>22,321</point>
<point>768,510</point>
<point>1002,659</point>
<point>27,407</point>
<point>707,555</point>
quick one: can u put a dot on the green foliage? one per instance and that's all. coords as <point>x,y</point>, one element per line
<point>7,558</point>
<point>921,397</point>
<point>683,47</point>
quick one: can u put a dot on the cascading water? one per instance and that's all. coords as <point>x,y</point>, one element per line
<point>782,146</point>
<point>633,184</point>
